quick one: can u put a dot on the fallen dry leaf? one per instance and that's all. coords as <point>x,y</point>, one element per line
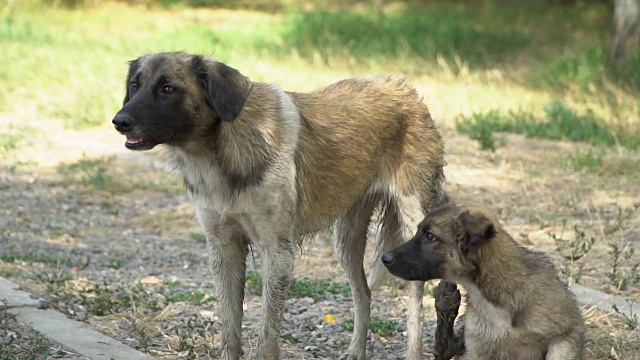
<point>329,319</point>
<point>151,280</point>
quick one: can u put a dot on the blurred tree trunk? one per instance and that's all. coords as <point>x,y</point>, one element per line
<point>626,35</point>
<point>378,6</point>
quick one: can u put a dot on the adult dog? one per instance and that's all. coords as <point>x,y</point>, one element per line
<point>517,307</point>
<point>265,166</point>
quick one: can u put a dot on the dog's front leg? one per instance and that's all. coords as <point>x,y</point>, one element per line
<point>277,269</point>
<point>227,253</point>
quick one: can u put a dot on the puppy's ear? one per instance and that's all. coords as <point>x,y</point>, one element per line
<point>226,88</point>
<point>134,65</point>
<point>478,228</point>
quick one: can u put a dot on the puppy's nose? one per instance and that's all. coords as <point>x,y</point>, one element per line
<point>387,259</point>
<point>123,122</point>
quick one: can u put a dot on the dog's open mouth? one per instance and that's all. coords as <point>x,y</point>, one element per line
<point>135,143</point>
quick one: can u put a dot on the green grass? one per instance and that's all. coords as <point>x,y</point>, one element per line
<point>254,282</point>
<point>92,173</point>
<point>199,238</point>
<point>104,173</point>
<point>198,297</point>
<point>116,264</point>
<point>558,122</point>
<point>590,161</point>
<point>12,138</point>
<point>316,289</point>
<point>13,255</point>
<point>77,55</point>
<point>376,325</point>
<point>450,30</point>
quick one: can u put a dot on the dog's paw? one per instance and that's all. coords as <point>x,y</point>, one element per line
<point>229,354</point>
<point>447,296</point>
<point>349,356</point>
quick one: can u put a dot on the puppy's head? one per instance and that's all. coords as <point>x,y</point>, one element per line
<point>169,96</point>
<point>445,246</point>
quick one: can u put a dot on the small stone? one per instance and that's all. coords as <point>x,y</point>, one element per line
<point>43,304</point>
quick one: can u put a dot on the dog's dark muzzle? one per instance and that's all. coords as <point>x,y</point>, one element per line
<point>123,122</point>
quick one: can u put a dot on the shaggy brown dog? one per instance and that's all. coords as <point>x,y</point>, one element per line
<point>266,167</point>
<point>517,307</point>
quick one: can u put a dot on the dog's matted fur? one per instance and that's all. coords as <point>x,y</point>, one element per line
<point>265,166</point>
<point>517,307</point>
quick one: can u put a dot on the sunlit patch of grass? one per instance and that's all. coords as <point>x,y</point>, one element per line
<point>589,161</point>
<point>12,139</point>
<point>559,122</point>
<point>475,55</point>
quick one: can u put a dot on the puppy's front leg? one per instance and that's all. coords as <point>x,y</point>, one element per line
<point>227,253</point>
<point>277,268</point>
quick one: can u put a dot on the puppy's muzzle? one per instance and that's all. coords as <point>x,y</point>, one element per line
<point>387,259</point>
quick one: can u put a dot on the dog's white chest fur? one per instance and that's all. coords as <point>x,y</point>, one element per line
<point>486,321</point>
<point>212,189</point>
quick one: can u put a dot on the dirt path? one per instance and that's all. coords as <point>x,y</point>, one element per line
<point>108,237</point>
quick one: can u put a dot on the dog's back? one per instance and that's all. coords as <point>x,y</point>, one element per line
<point>361,136</point>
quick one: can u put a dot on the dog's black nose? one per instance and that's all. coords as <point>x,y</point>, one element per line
<point>123,122</point>
<point>387,259</point>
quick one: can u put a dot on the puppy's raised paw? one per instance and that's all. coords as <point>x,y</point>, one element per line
<point>447,297</point>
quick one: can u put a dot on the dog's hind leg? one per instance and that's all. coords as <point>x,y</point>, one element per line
<point>350,237</point>
<point>410,214</point>
<point>569,347</point>
<point>227,253</point>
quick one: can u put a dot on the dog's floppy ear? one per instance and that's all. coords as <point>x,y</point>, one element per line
<point>134,65</point>
<point>478,228</point>
<point>226,88</point>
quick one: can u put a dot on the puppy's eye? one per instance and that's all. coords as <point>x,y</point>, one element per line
<point>167,89</point>
<point>429,237</point>
<point>133,84</point>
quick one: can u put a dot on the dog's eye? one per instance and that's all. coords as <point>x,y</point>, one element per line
<point>429,237</point>
<point>168,89</point>
<point>133,84</point>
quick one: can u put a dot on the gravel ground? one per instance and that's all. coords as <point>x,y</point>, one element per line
<point>110,239</point>
<point>20,341</point>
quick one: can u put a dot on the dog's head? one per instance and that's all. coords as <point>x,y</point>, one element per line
<point>446,245</point>
<point>171,95</point>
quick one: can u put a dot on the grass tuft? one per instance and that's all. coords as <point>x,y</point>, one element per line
<point>376,325</point>
<point>316,289</point>
<point>559,123</point>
